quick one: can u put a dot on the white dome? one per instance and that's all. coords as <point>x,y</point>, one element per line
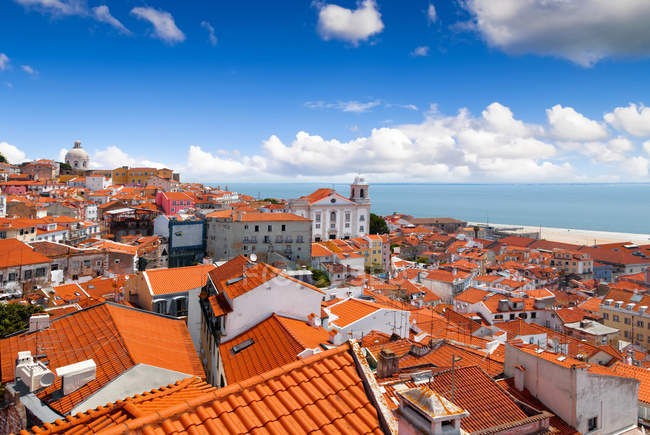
<point>77,157</point>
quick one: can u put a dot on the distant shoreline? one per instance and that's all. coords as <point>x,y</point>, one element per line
<point>576,236</point>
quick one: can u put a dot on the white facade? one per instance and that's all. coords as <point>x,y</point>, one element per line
<point>574,394</point>
<point>97,182</point>
<point>279,295</point>
<point>334,216</point>
<point>77,157</point>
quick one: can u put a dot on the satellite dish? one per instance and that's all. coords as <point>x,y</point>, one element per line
<point>253,257</point>
<point>47,379</point>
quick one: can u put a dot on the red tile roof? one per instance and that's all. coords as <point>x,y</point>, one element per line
<point>13,252</point>
<point>643,375</point>
<point>351,310</point>
<point>322,393</point>
<point>178,279</point>
<point>276,341</point>
<point>114,336</point>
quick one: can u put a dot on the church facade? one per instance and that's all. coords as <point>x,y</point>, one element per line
<point>334,216</point>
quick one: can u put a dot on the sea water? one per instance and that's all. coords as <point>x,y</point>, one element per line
<point>623,207</point>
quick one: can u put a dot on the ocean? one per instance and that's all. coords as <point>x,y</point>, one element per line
<point>602,207</point>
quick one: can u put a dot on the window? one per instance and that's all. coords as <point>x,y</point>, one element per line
<point>257,228</point>
<point>615,318</point>
<point>40,272</point>
<point>117,261</point>
<point>512,317</point>
<point>628,321</point>
<point>245,227</point>
<point>333,216</point>
<point>86,263</point>
<point>3,234</point>
<point>317,226</point>
<point>317,217</point>
<point>362,218</point>
<point>299,239</point>
<point>606,316</point>
<point>284,228</point>
<point>592,423</point>
<point>639,323</point>
<point>278,239</point>
<point>361,228</point>
<point>639,337</point>
<point>533,315</point>
<point>28,274</point>
<point>12,277</point>
<point>626,334</point>
<point>347,217</point>
<point>267,239</point>
<point>269,228</point>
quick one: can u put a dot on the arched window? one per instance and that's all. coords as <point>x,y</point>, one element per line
<point>84,164</point>
<point>333,216</point>
<point>76,164</point>
<point>361,193</point>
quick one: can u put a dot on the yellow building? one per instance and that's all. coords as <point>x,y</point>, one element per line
<point>139,176</point>
<point>628,312</point>
<point>375,243</point>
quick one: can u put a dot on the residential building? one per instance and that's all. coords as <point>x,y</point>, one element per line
<point>589,397</point>
<point>240,294</point>
<point>41,169</point>
<point>21,268</point>
<point>627,311</point>
<point>591,331</point>
<point>174,292</point>
<point>128,221</point>
<point>140,176</point>
<point>573,262</point>
<point>97,182</point>
<point>174,202</point>
<point>442,224</point>
<point>230,234</point>
<point>70,263</point>
<point>334,216</point>
<point>185,238</point>
<point>447,283</point>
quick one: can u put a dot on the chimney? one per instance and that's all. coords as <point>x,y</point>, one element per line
<point>387,363</point>
<point>38,322</point>
<point>519,377</point>
<point>422,410</point>
<point>76,375</point>
<point>504,305</point>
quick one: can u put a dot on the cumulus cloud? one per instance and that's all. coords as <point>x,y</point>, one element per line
<point>635,166</point>
<point>114,157</point>
<point>163,23</point>
<point>646,147</point>
<point>103,14</point>
<point>613,150</point>
<point>420,51</point>
<point>567,124</point>
<point>29,70</point>
<point>12,153</point>
<point>583,31</point>
<point>211,36</point>
<point>344,106</point>
<point>633,119</point>
<point>354,26</point>
<point>4,62</point>
<point>432,15</point>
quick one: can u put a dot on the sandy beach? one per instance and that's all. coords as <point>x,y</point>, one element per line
<point>577,236</point>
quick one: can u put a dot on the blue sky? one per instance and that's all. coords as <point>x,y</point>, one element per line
<point>470,90</point>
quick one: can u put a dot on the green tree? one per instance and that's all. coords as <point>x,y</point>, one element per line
<point>15,317</point>
<point>3,159</point>
<point>272,200</point>
<point>422,260</point>
<point>319,278</point>
<point>377,224</point>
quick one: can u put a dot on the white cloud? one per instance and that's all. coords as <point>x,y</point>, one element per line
<point>56,7</point>
<point>567,124</point>
<point>163,22</point>
<point>4,62</point>
<point>211,36</point>
<point>583,31</point>
<point>113,157</point>
<point>631,119</point>
<point>103,14</point>
<point>336,22</point>
<point>12,153</point>
<point>345,106</point>
<point>646,147</point>
<point>635,166</point>
<point>29,70</point>
<point>432,15</point>
<point>421,51</point>
<point>614,150</point>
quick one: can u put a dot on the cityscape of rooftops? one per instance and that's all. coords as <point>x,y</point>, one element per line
<point>328,216</point>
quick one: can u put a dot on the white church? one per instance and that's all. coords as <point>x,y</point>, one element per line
<point>335,216</point>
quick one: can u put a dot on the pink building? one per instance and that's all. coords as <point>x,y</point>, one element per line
<point>173,202</point>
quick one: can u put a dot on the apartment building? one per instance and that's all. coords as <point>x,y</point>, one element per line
<point>627,311</point>
<point>139,176</point>
<point>573,262</point>
<point>230,234</point>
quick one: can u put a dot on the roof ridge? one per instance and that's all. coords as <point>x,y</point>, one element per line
<point>279,319</point>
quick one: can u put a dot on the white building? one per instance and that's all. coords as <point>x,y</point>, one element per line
<point>77,157</point>
<point>97,182</point>
<point>590,398</point>
<point>334,216</point>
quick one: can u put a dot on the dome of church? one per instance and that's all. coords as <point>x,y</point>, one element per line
<point>77,157</point>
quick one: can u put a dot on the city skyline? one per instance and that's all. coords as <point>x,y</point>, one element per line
<point>319,91</point>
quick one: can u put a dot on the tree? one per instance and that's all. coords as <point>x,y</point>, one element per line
<point>377,224</point>
<point>319,278</point>
<point>3,159</point>
<point>15,317</point>
<point>272,200</point>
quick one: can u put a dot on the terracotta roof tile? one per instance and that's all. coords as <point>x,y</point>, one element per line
<point>178,279</point>
<point>322,393</point>
<point>114,336</point>
<point>13,252</point>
